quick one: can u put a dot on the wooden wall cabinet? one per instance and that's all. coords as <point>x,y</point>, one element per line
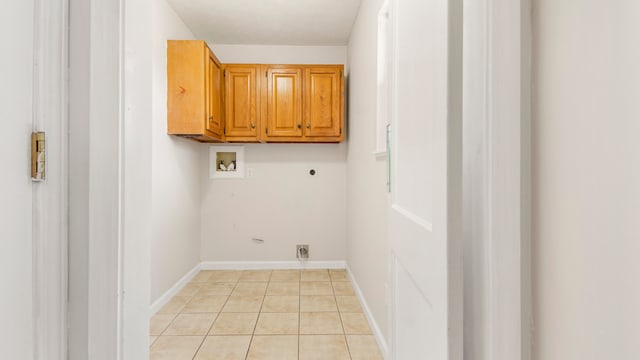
<point>242,102</point>
<point>282,108</point>
<point>212,102</point>
<point>303,103</point>
<point>324,103</point>
<point>194,91</point>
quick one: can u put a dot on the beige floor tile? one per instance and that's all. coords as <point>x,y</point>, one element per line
<point>277,347</point>
<point>355,323</point>
<point>314,275</point>
<point>283,288</point>
<point>209,289</point>
<point>316,288</point>
<point>318,303</point>
<point>250,289</point>
<point>348,304</point>
<point>174,305</point>
<point>231,276</point>
<point>323,323</point>
<point>338,275</point>
<point>363,347</point>
<point>281,304</point>
<point>190,289</point>
<point>277,324</point>
<point>175,347</point>
<point>255,275</point>
<point>202,276</point>
<point>152,339</point>
<point>191,324</point>
<point>243,304</point>
<point>159,323</point>
<point>224,348</point>
<point>234,324</point>
<point>343,288</point>
<point>285,275</point>
<point>323,347</point>
<point>205,304</point>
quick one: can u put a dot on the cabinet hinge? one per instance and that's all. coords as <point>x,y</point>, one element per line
<point>224,131</point>
<point>340,131</point>
<point>266,130</point>
<point>266,74</point>
<point>225,73</point>
<point>340,73</point>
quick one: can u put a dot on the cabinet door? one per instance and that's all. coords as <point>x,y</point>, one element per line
<point>214,101</point>
<point>241,109</point>
<point>284,102</point>
<point>323,102</point>
<point>186,108</point>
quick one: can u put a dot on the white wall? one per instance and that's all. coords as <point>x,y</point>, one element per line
<point>586,180</point>
<point>138,185</point>
<point>175,246</point>
<point>367,247</point>
<point>281,203</point>
<point>16,70</point>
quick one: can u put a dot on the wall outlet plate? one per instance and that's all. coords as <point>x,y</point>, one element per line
<point>302,251</point>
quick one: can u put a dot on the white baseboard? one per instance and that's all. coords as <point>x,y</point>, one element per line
<point>259,265</point>
<point>164,299</point>
<point>375,329</point>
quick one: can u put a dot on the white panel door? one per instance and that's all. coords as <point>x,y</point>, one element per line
<point>424,177</point>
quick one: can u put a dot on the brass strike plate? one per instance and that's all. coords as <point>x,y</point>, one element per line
<point>38,157</point>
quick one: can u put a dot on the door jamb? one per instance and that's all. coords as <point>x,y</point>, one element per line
<point>50,198</point>
<point>497,225</point>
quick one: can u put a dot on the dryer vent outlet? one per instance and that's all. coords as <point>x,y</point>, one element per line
<point>302,252</point>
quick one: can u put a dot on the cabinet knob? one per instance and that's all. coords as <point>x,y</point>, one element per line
<point>253,126</point>
<point>299,126</point>
<point>211,117</point>
<point>308,125</point>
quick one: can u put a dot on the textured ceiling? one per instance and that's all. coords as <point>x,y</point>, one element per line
<point>269,22</point>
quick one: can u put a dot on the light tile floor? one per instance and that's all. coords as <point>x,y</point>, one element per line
<point>264,315</point>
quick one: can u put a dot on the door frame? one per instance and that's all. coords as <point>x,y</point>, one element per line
<point>497,106</point>
<point>115,134</point>
<point>504,144</point>
<point>50,197</point>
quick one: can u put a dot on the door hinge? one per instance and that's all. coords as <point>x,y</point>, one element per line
<point>38,156</point>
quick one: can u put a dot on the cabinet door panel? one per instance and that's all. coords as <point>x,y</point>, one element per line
<point>214,114</point>
<point>323,108</point>
<point>241,101</point>
<point>186,75</point>
<point>284,102</point>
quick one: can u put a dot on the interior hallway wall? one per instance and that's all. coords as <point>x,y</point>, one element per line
<point>175,244</point>
<point>586,180</point>
<point>367,245</point>
<point>282,203</point>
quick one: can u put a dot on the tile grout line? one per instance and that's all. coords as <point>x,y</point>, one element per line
<point>344,333</point>
<point>174,315</point>
<point>258,318</point>
<point>299,312</point>
<point>214,320</point>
